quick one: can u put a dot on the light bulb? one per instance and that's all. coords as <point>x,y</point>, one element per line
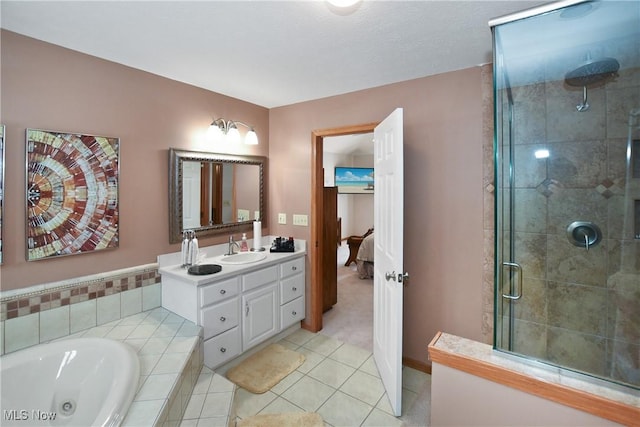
<point>233,136</point>
<point>251,138</point>
<point>214,133</point>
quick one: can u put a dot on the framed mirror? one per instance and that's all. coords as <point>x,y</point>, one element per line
<point>214,193</point>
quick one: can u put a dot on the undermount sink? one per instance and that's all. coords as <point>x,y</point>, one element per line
<point>243,258</point>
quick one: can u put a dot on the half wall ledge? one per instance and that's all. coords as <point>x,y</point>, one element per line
<point>472,384</point>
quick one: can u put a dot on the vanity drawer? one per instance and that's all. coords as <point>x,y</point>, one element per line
<point>291,288</point>
<point>220,317</point>
<point>222,348</point>
<point>292,267</point>
<point>259,278</point>
<point>291,312</point>
<point>220,291</point>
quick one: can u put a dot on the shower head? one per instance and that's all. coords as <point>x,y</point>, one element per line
<point>592,71</point>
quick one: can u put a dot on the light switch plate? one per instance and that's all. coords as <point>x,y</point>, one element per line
<point>282,218</point>
<point>302,220</point>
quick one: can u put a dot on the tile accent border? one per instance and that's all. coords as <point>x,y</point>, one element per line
<point>42,313</point>
<point>45,297</point>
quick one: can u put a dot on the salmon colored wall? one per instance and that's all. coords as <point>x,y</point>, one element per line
<point>443,212</point>
<point>49,87</point>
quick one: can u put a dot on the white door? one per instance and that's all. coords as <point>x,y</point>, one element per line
<point>388,275</point>
<point>190,195</point>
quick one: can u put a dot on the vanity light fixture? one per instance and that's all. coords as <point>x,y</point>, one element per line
<point>227,131</point>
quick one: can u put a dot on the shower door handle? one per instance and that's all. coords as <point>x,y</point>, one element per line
<point>514,266</point>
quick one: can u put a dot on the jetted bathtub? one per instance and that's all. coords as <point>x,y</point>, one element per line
<point>74,382</point>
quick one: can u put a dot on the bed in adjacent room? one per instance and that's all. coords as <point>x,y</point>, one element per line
<point>364,259</point>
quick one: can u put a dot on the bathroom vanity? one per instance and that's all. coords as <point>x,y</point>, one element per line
<point>242,305</point>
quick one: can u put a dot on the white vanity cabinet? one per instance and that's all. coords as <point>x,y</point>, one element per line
<point>241,306</point>
<point>260,308</point>
<point>220,319</point>
<point>292,302</point>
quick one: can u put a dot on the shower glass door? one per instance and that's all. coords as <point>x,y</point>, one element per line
<point>567,138</point>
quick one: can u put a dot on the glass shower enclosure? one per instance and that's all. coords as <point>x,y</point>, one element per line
<point>567,156</point>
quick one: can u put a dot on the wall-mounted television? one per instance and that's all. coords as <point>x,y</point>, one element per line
<point>351,180</point>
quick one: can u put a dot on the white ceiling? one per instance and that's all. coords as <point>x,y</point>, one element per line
<point>271,53</point>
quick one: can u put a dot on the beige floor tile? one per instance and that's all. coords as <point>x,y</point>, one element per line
<point>203,383</point>
<point>351,355</point>
<point>212,422</point>
<point>287,382</point>
<point>413,379</point>
<point>384,405</point>
<point>194,407</point>
<point>331,373</point>
<point>288,344</point>
<point>280,405</point>
<point>365,387</point>
<point>377,418</point>
<point>216,405</point>
<point>408,399</point>
<point>312,359</point>
<point>308,393</point>
<point>220,384</point>
<point>344,410</point>
<point>248,404</point>
<point>300,337</point>
<point>323,344</point>
<point>369,366</point>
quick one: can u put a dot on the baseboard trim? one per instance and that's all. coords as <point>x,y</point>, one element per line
<point>417,365</point>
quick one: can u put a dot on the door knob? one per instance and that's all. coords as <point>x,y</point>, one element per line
<point>404,278</point>
<point>400,277</point>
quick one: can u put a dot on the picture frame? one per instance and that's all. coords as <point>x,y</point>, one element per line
<point>354,180</point>
<point>72,202</point>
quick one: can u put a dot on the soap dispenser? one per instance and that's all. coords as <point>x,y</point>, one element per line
<point>244,247</point>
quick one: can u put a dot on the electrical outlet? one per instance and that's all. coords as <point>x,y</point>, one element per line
<point>302,220</point>
<point>282,218</point>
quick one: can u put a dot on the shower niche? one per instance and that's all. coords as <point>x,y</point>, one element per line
<point>567,199</point>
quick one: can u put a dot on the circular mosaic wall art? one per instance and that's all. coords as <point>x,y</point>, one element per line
<point>72,193</point>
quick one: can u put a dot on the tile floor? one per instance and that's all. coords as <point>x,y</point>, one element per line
<point>338,380</point>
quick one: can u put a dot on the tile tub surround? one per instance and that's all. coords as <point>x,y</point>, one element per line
<point>45,312</point>
<point>170,352</point>
<point>606,400</point>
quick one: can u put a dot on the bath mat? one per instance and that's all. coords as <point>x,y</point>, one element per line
<point>261,371</point>
<point>293,419</point>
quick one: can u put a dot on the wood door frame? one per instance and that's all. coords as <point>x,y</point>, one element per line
<point>313,321</point>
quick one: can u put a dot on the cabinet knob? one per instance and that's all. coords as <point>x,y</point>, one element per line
<point>222,318</point>
<point>222,349</point>
<point>222,291</point>
<point>294,289</point>
<point>294,313</point>
<point>294,268</point>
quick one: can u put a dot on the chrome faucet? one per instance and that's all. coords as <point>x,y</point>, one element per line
<point>232,243</point>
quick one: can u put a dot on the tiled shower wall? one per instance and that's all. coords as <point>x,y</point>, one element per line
<point>43,313</point>
<point>580,308</point>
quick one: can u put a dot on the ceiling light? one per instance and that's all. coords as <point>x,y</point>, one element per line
<point>222,130</point>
